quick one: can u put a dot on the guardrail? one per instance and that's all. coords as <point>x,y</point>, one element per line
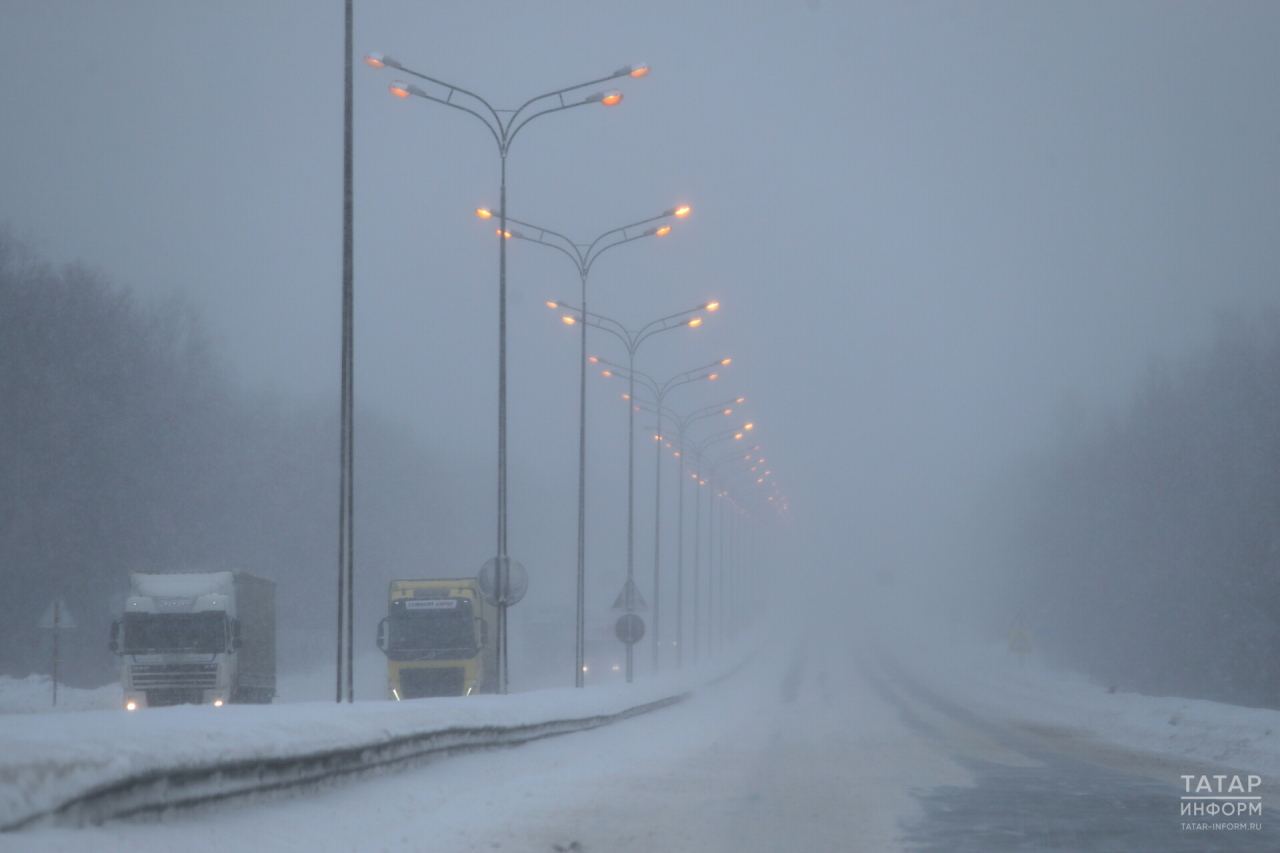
<point>155,792</point>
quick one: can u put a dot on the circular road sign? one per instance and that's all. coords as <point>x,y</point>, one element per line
<point>517,582</point>
<point>629,628</point>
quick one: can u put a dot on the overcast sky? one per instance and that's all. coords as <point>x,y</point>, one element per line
<point>927,222</point>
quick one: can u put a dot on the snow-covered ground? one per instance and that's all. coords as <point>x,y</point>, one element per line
<point>982,677</point>
<point>691,777</point>
<point>34,695</point>
<point>988,679</point>
<point>741,766</point>
<point>45,758</point>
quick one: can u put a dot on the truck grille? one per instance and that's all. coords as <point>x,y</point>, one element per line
<point>431,681</point>
<point>193,676</point>
<point>173,696</point>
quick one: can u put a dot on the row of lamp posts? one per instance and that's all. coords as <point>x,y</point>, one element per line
<point>503,126</point>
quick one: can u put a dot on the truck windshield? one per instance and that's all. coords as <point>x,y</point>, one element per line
<point>202,633</point>
<point>431,632</point>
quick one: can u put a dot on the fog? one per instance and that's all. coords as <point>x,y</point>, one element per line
<point>939,232</point>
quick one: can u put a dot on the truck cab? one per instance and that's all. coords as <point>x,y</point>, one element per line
<point>196,638</point>
<point>436,637</point>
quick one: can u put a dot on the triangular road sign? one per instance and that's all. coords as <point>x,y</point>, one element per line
<point>65,619</point>
<point>630,599</point>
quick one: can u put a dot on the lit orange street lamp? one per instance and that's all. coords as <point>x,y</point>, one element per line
<point>504,125</point>
<point>584,257</point>
<point>659,390</point>
<point>698,451</point>
<point>631,340</point>
<point>682,424</point>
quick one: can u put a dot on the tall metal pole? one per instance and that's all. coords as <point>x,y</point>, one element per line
<point>500,569</point>
<point>728,568</point>
<point>732,608</point>
<point>697,563</point>
<point>680,564</point>
<point>657,536</point>
<point>346,496</point>
<point>631,492</point>
<point>711,566</point>
<point>579,676</point>
<point>720,603</point>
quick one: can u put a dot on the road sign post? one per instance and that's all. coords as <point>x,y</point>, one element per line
<point>502,585</point>
<point>629,628</point>
<point>630,600</point>
<point>56,617</point>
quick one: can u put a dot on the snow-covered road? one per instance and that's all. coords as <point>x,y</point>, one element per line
<point>829,748</point>
<point>785,750</point>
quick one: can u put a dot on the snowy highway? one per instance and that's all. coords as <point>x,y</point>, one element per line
<point>371,482</point>
<point>830,748</point>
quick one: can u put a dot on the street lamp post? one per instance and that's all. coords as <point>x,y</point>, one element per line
<point>681,426</point>
<point>711,468</point>
<point>730,565</point>
<point>730,590</point>
<point>583,256</point>
<point>631,340</point>
<point>504,132</point>
<point>659,390</point>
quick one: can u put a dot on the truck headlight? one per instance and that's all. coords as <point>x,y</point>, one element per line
<point>217,703</point>
<point>131,706</point>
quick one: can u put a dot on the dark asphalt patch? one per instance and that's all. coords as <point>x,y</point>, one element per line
<point>1066,805</point>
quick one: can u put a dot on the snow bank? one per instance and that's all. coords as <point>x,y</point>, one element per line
<point>990,680</point>
<point>34,694</point>
<point>48,759</point>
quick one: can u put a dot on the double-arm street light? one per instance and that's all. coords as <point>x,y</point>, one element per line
<point>711,469</point>
<point>583,256</point>
<point>728,590</point>
<point>659,390</point>
<point>632,339</point>
<point>731,564</point>
<point>698,451</point>
<point>735,465</point>
<point>681,426</point>
<point>503,125</point>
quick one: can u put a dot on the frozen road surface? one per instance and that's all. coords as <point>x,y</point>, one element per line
<point>833,748</point>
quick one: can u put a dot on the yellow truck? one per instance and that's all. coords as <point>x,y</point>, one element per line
<point>438,636</point>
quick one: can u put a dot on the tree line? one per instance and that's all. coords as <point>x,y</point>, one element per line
<point>1149,547</point>
<point>125,446</point>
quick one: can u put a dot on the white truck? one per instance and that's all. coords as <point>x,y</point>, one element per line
<point>197,638</point>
